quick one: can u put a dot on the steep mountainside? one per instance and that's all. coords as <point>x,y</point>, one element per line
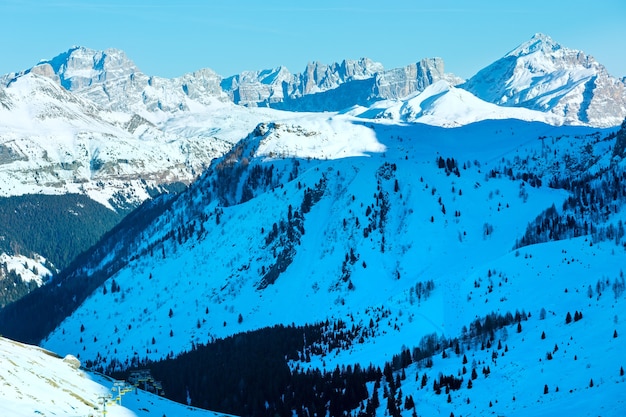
<point>401,231</point>
<point>90,122</point>
<point>542,75</point>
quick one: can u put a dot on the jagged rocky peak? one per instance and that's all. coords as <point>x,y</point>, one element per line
<point>361,69</point>
<point>80,67</point>
<point>46,70</point>
<point>257,87</point>
<point>401,82</point>
<point>553,54</point>
<point>276,86</point>
<point>266,87</point>
<point>538,43</point>
<point>322,77</point>
<point>201,85</point>
<point>319,77</point>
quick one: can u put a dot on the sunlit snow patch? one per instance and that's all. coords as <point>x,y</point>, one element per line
<point>319,138</point>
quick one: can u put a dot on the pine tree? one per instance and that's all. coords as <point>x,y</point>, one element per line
<point>408,402</point>
<point>568,318</point>
<point>545,389</point>
<point>591,383</point>
<point>543,335</point>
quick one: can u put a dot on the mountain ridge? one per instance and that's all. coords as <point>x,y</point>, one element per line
<point>580,90</point>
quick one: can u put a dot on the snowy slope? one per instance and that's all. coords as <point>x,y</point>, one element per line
<point>542,75</point>
<point>441,104</point>
<point>38,382</point>
<point>234,277</point>
<point>459,231</point>
<point>29,269</point>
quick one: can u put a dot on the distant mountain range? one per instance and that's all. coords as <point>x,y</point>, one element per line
<point>539,74</point>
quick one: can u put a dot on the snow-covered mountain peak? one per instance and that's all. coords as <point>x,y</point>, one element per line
<point>80,67</point>
<point>542,55</point>
<point>538,43</point>
<point>542,75</point>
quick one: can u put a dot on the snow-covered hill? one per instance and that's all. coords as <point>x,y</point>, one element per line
<point>279,232</point>
<point>441,104</point>
<point>542,75</point>
<point>38,382</point>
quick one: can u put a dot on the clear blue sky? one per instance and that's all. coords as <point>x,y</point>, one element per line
<point>170,38</point>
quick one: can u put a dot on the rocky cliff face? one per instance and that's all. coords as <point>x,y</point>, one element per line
<point>542,75</point>
<point>259,87</point>
<point>401,82</point>
<point>272,87</point>
<point>368,82</point>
